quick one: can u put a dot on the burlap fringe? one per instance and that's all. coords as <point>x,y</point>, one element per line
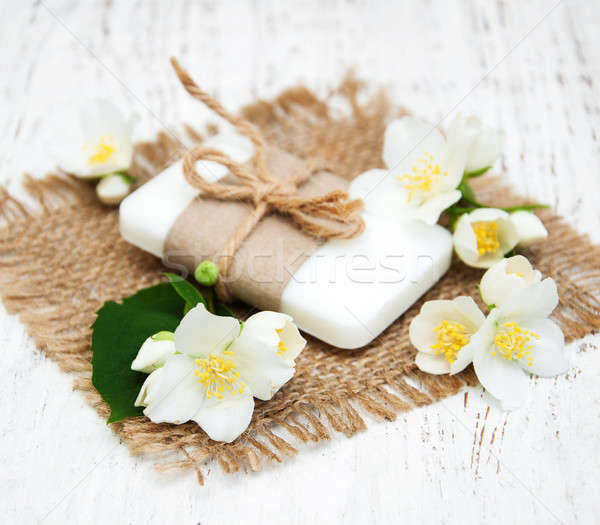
<point>50,279</point>
<point>305,421</point>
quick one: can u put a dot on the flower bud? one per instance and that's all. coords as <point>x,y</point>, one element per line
<point>163,335</point>
<point>154,352</point>
<point>113,188</point>
<point>207,273</point>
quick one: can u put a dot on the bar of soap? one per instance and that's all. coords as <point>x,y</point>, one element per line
<point>146,216</point>
<point>348,291</point>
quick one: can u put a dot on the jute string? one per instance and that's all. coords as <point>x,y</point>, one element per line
<point>267,192</point>
<point>61,261</point>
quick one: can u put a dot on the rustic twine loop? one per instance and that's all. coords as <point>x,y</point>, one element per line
<point>266,192</point>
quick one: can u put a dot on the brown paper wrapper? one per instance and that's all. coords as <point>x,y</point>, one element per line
<point>272,252</point>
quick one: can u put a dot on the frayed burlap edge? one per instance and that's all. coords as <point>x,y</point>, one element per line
<point>61,257</point>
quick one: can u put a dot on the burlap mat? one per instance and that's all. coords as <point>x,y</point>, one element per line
<point>60,262</point>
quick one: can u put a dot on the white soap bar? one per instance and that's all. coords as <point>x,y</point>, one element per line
<point>347,292</point>
<point>146,216</point>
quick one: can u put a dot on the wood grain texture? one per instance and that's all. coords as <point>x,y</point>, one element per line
<point>528,66</point>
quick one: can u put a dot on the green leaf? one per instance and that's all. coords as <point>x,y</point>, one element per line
<point>460,210</point>
<point>118,333</point>
<point>186,290</point>
<point>525,207</point>
<point>467,193</point>
<point>455,211</point>
<point>129,179</point>
<point>223,310</point>
<point>475,173</point>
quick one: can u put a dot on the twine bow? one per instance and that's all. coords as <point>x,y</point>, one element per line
<point>266,192</point>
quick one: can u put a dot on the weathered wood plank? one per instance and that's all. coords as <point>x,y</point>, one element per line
<point>527,66</point>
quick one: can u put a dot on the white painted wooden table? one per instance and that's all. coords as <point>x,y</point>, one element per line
<point>529,66</point>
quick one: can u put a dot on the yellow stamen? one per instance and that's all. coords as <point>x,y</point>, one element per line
<point>281,348</point>
<point>451,337</point>
<point>215,372</point>
<point>486,233</point>
<point>514,342</point>
<point>425,173</point>
<point>101,151</point>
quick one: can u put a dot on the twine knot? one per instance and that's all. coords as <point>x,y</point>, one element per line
<point>263,190</point>
<point>329,216</point>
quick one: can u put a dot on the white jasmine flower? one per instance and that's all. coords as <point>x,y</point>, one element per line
<point>113,188</point>
<point>266,349</point>
<point>419,183</point>
<point>212,378</point>
<point>486,146</point>
<point>517,337</point>
<point>154,352</point>
<point>441,334</point>
<point>506,277</point>
<point>94,140</point>
<point>150,389</point>
<point>424,169</point>
<point>529,227</point>
<point>484,236</point>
